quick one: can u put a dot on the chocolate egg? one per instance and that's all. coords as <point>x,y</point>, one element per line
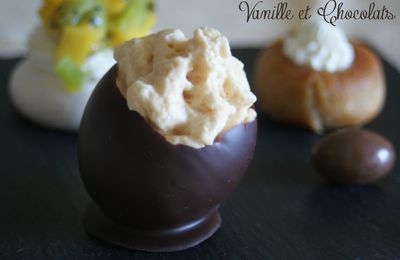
<point>353,156</point>
<point>147,193</point>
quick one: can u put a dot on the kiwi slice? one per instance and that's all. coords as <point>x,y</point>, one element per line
<point>70,74</point>
<point>96,17</point>
<point>71,12</point>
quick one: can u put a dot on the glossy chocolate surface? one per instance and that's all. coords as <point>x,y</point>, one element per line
<point>353,156</point>
<point>145,185</point>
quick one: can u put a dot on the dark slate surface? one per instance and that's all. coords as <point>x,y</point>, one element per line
<point>282,209</point>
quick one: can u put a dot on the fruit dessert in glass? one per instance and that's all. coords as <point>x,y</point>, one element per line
<point>69,53</point>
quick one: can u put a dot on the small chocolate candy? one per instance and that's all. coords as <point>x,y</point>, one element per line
<point>353,156</point>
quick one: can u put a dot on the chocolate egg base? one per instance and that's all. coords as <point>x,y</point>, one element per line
<point>174,239</point>
<point>149,194</point>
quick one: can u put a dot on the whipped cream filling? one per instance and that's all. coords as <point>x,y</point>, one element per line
<point>41,53</point>
<point>189,90</point>
<point>320,46</point>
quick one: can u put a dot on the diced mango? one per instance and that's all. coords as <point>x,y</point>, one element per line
<point>119,36</point>
<point>77,42</point>
<point>47,11</point>
<point>115,7</point>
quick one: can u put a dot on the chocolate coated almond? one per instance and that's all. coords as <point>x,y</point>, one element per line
<point>353,156</point>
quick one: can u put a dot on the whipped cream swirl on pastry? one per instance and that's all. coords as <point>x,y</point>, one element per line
<point>189,89</point>
<point>320,46</point>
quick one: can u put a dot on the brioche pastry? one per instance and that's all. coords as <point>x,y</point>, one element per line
<point>319,87</point>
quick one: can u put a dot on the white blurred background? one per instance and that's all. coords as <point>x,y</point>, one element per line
<point>18,17</point>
